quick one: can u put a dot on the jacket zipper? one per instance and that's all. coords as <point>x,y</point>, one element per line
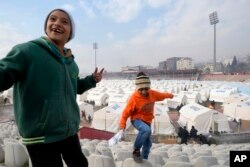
<point>66,101</point>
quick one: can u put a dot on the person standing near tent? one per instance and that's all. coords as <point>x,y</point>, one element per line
<point>212,105</point>
<point>180,129</point>
<point>202,139</point>
<point>46,82</point>
<point>193,134</point>
<point>184,135</point>
<point>140,109</point>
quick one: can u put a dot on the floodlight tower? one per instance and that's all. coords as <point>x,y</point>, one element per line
<point>213,17</point>
<point>95,47</point>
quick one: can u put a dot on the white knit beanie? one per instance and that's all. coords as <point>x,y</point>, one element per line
<point>72,24</point>
<point>142,81</point>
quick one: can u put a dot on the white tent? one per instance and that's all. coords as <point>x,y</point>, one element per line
<point>165,89</point>
<point>177,100</point>
<point>237,97</point>
<point>238,110</point>
<point>100,99</point>
<point>197,115</point>
<point>221,122</point>
<point>204,92</point>
<point>161,123</point>
<point>7,96</point>
<point>129,90</point>
<point>202,118</point>
<point>83,97</point>
<point>219,95</point>
<point>192,96</point>
<point>88,109</point>
<point>108,118</point>
<point>118,98</point>
<point>169,89</point>
<point>112,90</point>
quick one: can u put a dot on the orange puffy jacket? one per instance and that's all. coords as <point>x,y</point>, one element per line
<point>140,107</point>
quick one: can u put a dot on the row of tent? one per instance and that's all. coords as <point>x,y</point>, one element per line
<point>119,91</point>
<point>115,91</point>
<point>195,114</point>
<point>189,94</point>
<point>108,119</point>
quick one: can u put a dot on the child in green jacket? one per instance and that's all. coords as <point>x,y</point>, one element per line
<point>45,79</point>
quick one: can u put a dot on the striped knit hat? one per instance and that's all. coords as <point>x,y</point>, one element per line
<point>142,81</point>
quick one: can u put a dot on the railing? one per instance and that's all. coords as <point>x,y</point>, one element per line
<point>243,137</point>
<point>91,133</point>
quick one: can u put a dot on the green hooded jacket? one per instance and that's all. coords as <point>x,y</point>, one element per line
<point>45,89</point>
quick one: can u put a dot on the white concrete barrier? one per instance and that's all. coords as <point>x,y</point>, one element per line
<point>123,155</point>
<point>156,159</point>
<point>1,154</point>
<point>179,158</point>
<point>178,164</point>
<point>100,161</point>
<point>15,153</point>
<point>205,161</point>
<point>131,163</point>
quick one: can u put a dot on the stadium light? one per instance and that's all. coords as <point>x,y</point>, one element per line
<point>95,47</point>
<point>213,17</point>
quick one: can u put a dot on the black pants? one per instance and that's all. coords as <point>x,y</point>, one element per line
<point>50,155</point>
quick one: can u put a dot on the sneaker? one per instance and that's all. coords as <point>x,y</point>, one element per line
<point>137,156</point>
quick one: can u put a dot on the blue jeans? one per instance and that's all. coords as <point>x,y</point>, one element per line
<point>143,139</point>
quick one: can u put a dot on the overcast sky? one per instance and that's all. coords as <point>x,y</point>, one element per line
<point>134,32</point>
